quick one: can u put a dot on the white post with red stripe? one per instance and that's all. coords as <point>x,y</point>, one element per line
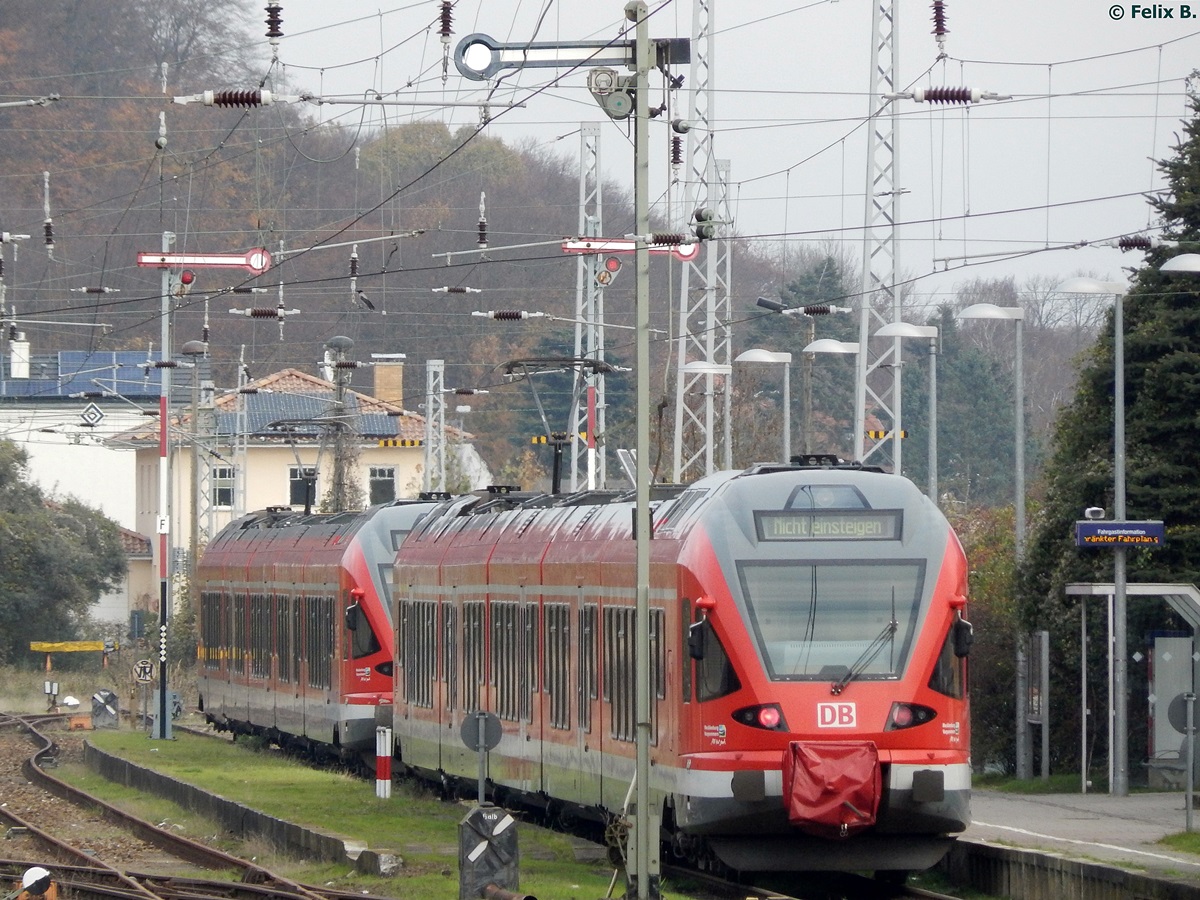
<point>383,762</point>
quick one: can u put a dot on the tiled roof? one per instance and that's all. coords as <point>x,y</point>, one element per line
<point>134,544</point>
<point>297,404</point>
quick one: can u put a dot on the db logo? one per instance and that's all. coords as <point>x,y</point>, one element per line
<point>836,715</point>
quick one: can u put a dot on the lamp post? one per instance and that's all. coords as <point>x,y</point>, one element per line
<point>905,330</point>
<point>1119,723</point>
<point>1016,315</point>
<point>758,355</point>
<point>825,345</point>
<point>195,351</point>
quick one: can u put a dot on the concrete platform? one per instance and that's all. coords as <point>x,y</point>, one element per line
<point>1096,827</point>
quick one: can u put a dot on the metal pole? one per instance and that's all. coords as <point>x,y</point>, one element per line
<point>1044,702</point>
<point>1019,500</point>
<point>162,730</point>
<point>1120,747</point>
<point>1083,697</point>
<point>1190,699</point>
<point>636,12</point>
<point>933,447</point>
<point>480,730</point>
<point>787,412</point>
<point>1023,744</point>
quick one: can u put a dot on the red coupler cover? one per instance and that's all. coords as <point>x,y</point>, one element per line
<point>831,789</point>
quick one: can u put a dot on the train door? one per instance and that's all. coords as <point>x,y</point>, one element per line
<point>559,772</point>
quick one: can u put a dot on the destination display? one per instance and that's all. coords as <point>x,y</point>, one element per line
<point>829,525</point>
<point>1094,533</point>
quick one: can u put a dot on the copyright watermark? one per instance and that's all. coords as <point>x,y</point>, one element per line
<point>1119,11</point>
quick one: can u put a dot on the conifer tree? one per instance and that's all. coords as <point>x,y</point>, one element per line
<point>1161,314</point>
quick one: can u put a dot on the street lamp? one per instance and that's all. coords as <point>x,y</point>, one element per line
<point>1016,315</point>
<point>823,345</point>
<point>906,330</point>
<point>1119,750</point>
<point>758,355</point>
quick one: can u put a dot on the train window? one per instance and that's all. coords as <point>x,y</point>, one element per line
<point>587,664</point>
<point>362,637</point>
<point>237,636</point>
<point>283,638</point>
<point>297,636</point>
<point>715,676</point>
<point>527,678</point>
<point>949,672</point>
<point>473,645</point>
<point>260,636</point>
<point>685,621</point>
<point>557,653</point>
<point>619,679</point>
<point>450,654</point>
<point>210,630</point>
<point>319,647</point>
<point>507,661</point>
<point>825,620</point>
<point>420,661</point>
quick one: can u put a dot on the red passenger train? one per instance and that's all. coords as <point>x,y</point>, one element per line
<point>807,662</point>
<point>294,622</point>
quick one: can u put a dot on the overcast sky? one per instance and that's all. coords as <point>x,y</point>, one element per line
<point>1098,91</point>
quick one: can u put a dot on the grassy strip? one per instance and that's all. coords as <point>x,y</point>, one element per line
<point>415,824</point>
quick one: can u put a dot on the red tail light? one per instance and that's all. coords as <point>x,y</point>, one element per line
<point>908,715</point>
<point>768,716</point>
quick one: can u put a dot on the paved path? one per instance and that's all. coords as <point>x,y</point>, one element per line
<point>1120,830</point>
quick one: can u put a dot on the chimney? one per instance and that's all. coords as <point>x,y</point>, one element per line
<point>389,377</point>
<point>19,356</point>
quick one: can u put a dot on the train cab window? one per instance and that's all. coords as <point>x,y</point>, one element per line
<point>362,638</point>
<point>950,672</point>
<point>715,676</point>
<point>817,621</point>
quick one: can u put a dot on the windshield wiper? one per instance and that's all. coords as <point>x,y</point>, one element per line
<point>865,658</point>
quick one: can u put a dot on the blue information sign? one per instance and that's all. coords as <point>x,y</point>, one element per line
<point>1093,533</point>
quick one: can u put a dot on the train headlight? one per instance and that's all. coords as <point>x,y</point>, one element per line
<point>768,716</point>
<point>908,715</point>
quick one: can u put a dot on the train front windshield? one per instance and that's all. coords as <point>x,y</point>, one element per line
<point>833,620</point>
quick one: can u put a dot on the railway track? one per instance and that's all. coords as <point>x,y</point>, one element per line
<point>99,851</point>
<point>96,848</point>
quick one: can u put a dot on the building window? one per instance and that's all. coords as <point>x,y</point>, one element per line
<point>298,485</point>
<point>222,487</point>
<point>383,484</point>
